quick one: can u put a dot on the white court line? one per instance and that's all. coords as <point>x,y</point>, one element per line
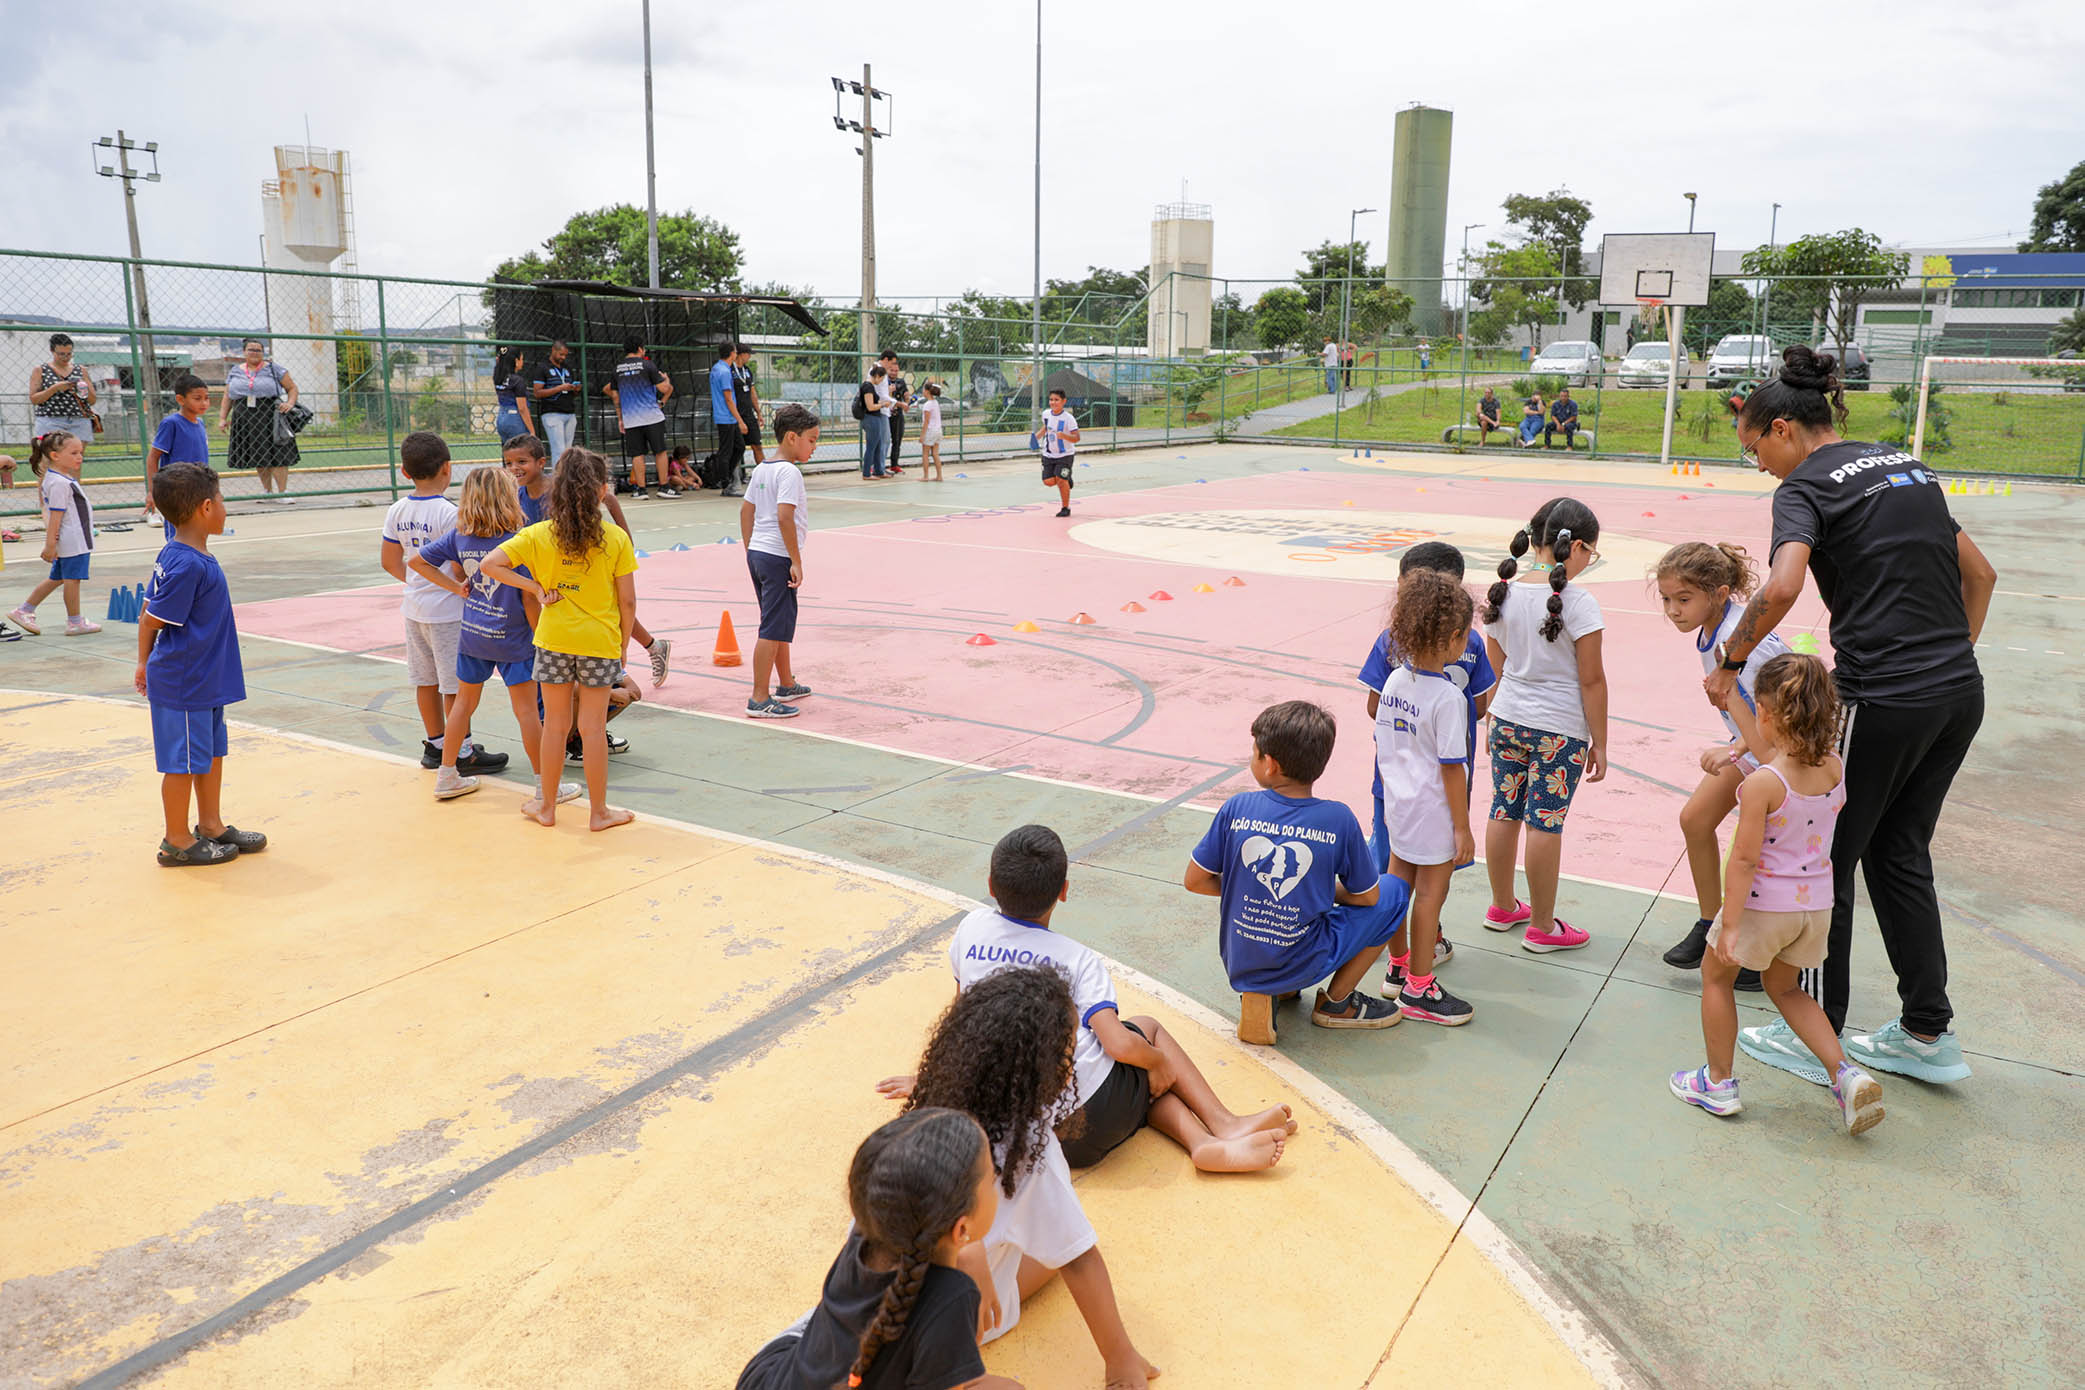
<point>1599,1356</point>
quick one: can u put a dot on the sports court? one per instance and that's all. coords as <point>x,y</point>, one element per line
<point>428,1095</point>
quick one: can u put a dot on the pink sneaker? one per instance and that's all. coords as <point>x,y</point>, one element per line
<point>1561,936</point>
<point>1498,921</point>
<point>25,619</point>
<point>80,626</point>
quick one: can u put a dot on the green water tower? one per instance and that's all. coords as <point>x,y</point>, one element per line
<point>1421,140</point>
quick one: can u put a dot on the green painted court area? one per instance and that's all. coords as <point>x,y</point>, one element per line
<point>1947,1247</point>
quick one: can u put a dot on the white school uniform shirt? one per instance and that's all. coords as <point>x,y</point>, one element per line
<point>1422,725</point>
<point>930,416</point>
<point>1538,689</point>
<point>1054,429</point>
<point>1331,354</point>
<point>413,522</point>
<point>772,484</point>
<point>75,512</point>
<point>986,941</point>
<point>1043,1220</point>
<point>1770,646</point>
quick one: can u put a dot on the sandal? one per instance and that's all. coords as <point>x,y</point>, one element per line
<point>201,852</point>
<point>245,841</point>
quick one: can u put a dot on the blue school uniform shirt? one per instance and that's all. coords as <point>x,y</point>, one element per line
<point>495,624</point>
<point>535,509</point>
<point>183,441</point>
<point>1470,673</point>
<point>195,660</point>
<point>1280,858</point>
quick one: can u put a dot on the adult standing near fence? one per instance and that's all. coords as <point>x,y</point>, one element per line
<point>556,391</point>
<point>510,387</point>
<point>747,397</point>
<point>255,392</point>
<point>869,408</point>
<point>897,392</point>
<point>60,395</point>
<point>1907,591</point>
<point>1329,355</point>
<point>731,426</point>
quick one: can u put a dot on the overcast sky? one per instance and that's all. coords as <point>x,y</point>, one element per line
<point>475,129</point>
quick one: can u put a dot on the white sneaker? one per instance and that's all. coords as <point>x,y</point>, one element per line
<point>569,791</point>
<point>448,783</point>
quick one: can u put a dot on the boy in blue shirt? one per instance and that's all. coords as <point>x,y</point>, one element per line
<point>181,437</point>
<point>188,670</point>
<point>1301,895</point>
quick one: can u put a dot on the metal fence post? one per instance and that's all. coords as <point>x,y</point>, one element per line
<point>383,338</point>
<point>137,382</point>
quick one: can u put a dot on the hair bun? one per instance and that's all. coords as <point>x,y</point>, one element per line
<point>1806,370</point>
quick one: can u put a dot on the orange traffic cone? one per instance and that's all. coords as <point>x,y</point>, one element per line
<point>1234,582</point>
<point>1132,607</point>
<point>1081,619</point>
<point>726,653</point>
<point>980,640</point>
<point>1162,596</point>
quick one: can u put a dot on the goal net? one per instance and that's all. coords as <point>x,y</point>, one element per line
<point>2019,415</point>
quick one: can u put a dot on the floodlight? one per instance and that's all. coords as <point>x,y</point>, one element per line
<point>839,124</point>
<point>838,85</point>
<point>105,141</point>
<point>108,171</point>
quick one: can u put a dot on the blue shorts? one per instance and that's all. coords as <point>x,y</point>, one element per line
<point>777,599</point>
<point>1333,940</point>
<point>70,566</point>
<point>476,670</point>
<point>186,741</point>
<point>1534,775</point>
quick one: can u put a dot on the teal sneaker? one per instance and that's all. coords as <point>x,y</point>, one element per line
<point>1890,1048</point>
<point>1777,1045</point>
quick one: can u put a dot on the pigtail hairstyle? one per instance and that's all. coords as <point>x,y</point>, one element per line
<point>45,445</point>
<point>1432,611</point>
<point>1806,392</point>
<point>1709,567</point>
<point>1002,1053</point>
<point>1562,523</point>
<point>910,1182</point>
<point>1804,702</point>
<point>575,503</point>
<point>1495,597</point>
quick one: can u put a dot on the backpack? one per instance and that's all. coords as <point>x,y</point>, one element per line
<point>857,409</point>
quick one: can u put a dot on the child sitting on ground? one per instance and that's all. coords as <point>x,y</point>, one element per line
<point>1777,892</point>
<point>894,1311</point>
<point>1002,1053</point>
<point>1300,892</point>
<point>680,469</point>
<point>1126,1073</point>
<point>189,670</point>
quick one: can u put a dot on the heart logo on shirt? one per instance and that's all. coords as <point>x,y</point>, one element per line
<point>1278,867</point>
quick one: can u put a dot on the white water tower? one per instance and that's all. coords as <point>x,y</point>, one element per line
<point>1183,242</point>
<point>306,224</point>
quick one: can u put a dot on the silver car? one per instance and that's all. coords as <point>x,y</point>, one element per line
<point>1578,363</point>
<point>1647,364</point>
<point>1741,357</point>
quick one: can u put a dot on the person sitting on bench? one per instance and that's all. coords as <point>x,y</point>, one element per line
<point>1487,416</point>
<point>1563,415</point>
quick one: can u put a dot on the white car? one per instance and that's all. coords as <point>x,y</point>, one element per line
<point>1742,357</point>
<point>1647,364</point>
<point>1579,364</point>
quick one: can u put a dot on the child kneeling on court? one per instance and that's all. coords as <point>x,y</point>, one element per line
<point>1126,1073</point>
<point>1301,896</point>
<point>1777,892</point>
<point>189,670</point>
<point>895,1311</point>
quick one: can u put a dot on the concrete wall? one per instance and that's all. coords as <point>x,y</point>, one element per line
<point>1420,145</point>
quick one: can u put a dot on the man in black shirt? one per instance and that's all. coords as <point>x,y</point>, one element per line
<point>1907,591</point>
<point>556,391</point>
<point>899,393</point>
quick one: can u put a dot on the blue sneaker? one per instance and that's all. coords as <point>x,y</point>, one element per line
<point>1777,1045</point>
<point>1716,1097</point>
<point>770,708</point>
<point>1860,1098</point>
<point>791,692</point>
<point>1890,1048</point>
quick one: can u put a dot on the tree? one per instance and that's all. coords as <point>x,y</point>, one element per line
<point>695,253</point>
<point>1280,317</point>
<point>1101,296</point>
<point>1520,285</point>
<point>1380,309</point>
<point>1328,264</point>
<point>1729,310</point>
<point>1839,270</point>
<point>1556,220</point>
<point>2059,214</point>
<point>2068,337</point>
<point>1228,323</point>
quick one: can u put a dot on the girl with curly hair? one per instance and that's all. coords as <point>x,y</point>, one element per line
<point>1002,1053</point>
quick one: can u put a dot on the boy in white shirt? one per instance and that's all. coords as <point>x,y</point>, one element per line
<point>433,616</point>
<point>1060,436</point>
<point>774,521</point>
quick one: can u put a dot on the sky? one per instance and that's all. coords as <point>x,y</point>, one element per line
<point>475,129</point>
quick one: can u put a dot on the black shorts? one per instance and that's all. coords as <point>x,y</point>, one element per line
<point>1059,468</point>
<point>644,439</point>
<point>777,599</point>
<point>1120,1108</point>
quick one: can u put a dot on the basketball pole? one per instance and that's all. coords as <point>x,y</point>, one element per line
<point>1675,317</point>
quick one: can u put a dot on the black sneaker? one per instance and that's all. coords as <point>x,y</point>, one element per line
<point>1064,511</point>
<point>1687,954</point>
<point>669,492</point>
<point>1748,981</point>
<point>430,756</point>
<point>474,760</point>
<point>1357,1011</point>
<point>638,494</point>
<point>1434,1005</point>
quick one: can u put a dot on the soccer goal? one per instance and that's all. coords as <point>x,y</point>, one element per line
<point>2002,414</point>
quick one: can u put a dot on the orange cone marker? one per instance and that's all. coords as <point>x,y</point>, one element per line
<point>1082,619</point>
<point>980,640</point>
<point>1162,596</point>
<point>1234,582</point>
<point>1133,607</point>
<point>727,653</point>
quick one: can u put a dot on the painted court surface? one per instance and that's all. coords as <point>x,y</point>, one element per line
<point>427,1096</point>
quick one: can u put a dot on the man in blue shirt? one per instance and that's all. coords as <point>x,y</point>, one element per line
<point>1563,415</point>
<point>731,427</point>
<point>640,392</point>
<point>1302,898</point>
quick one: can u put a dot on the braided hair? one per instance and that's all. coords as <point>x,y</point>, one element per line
<point>909,1184</point>
<point>1559,524</point>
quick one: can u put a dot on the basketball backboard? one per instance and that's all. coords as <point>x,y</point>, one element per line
<point>1669,266</point>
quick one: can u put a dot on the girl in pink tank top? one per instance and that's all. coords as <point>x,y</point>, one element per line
<point>1777,889</point>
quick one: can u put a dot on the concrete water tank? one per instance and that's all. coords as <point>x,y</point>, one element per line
<point>304,228</point>
<point>1421,140</point>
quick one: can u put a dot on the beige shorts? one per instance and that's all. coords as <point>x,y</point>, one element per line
<point>1765,937</point>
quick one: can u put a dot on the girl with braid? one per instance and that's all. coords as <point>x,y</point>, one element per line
<point>1549,721</point>
<point>895,1313</point>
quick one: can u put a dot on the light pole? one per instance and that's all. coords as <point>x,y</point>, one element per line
<point>1463,397</point>
<point>651,174</point>
<point>1346,303</point>
<point>866,128</point>
<point>1766,294</point>
<point>148,394</point>
<point>1035,390</point>
<point>1690,211</point>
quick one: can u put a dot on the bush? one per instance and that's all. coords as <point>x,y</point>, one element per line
<point>1903,420</point>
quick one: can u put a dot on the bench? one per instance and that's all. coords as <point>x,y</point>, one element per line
<point>1461,434</point>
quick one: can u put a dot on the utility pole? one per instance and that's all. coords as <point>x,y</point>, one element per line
<point>651,169</point>
<point>1346,305</point>
<point>1690,197</point>
<point>1766,293</point>
<point>1463,396</point>
<point>866,128</point>
<point>1035,390</point>
<point>148,387</point>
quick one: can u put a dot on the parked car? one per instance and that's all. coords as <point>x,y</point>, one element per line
<point>1742,357</point>
<point>1855,368</point>
<point>1578,363</point>
<point>1647,364</point>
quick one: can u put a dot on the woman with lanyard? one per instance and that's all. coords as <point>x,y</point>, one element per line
<point>1907,591</point>
<point>60,395</point>
<point>255,392</point>
<point>510,386</point>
